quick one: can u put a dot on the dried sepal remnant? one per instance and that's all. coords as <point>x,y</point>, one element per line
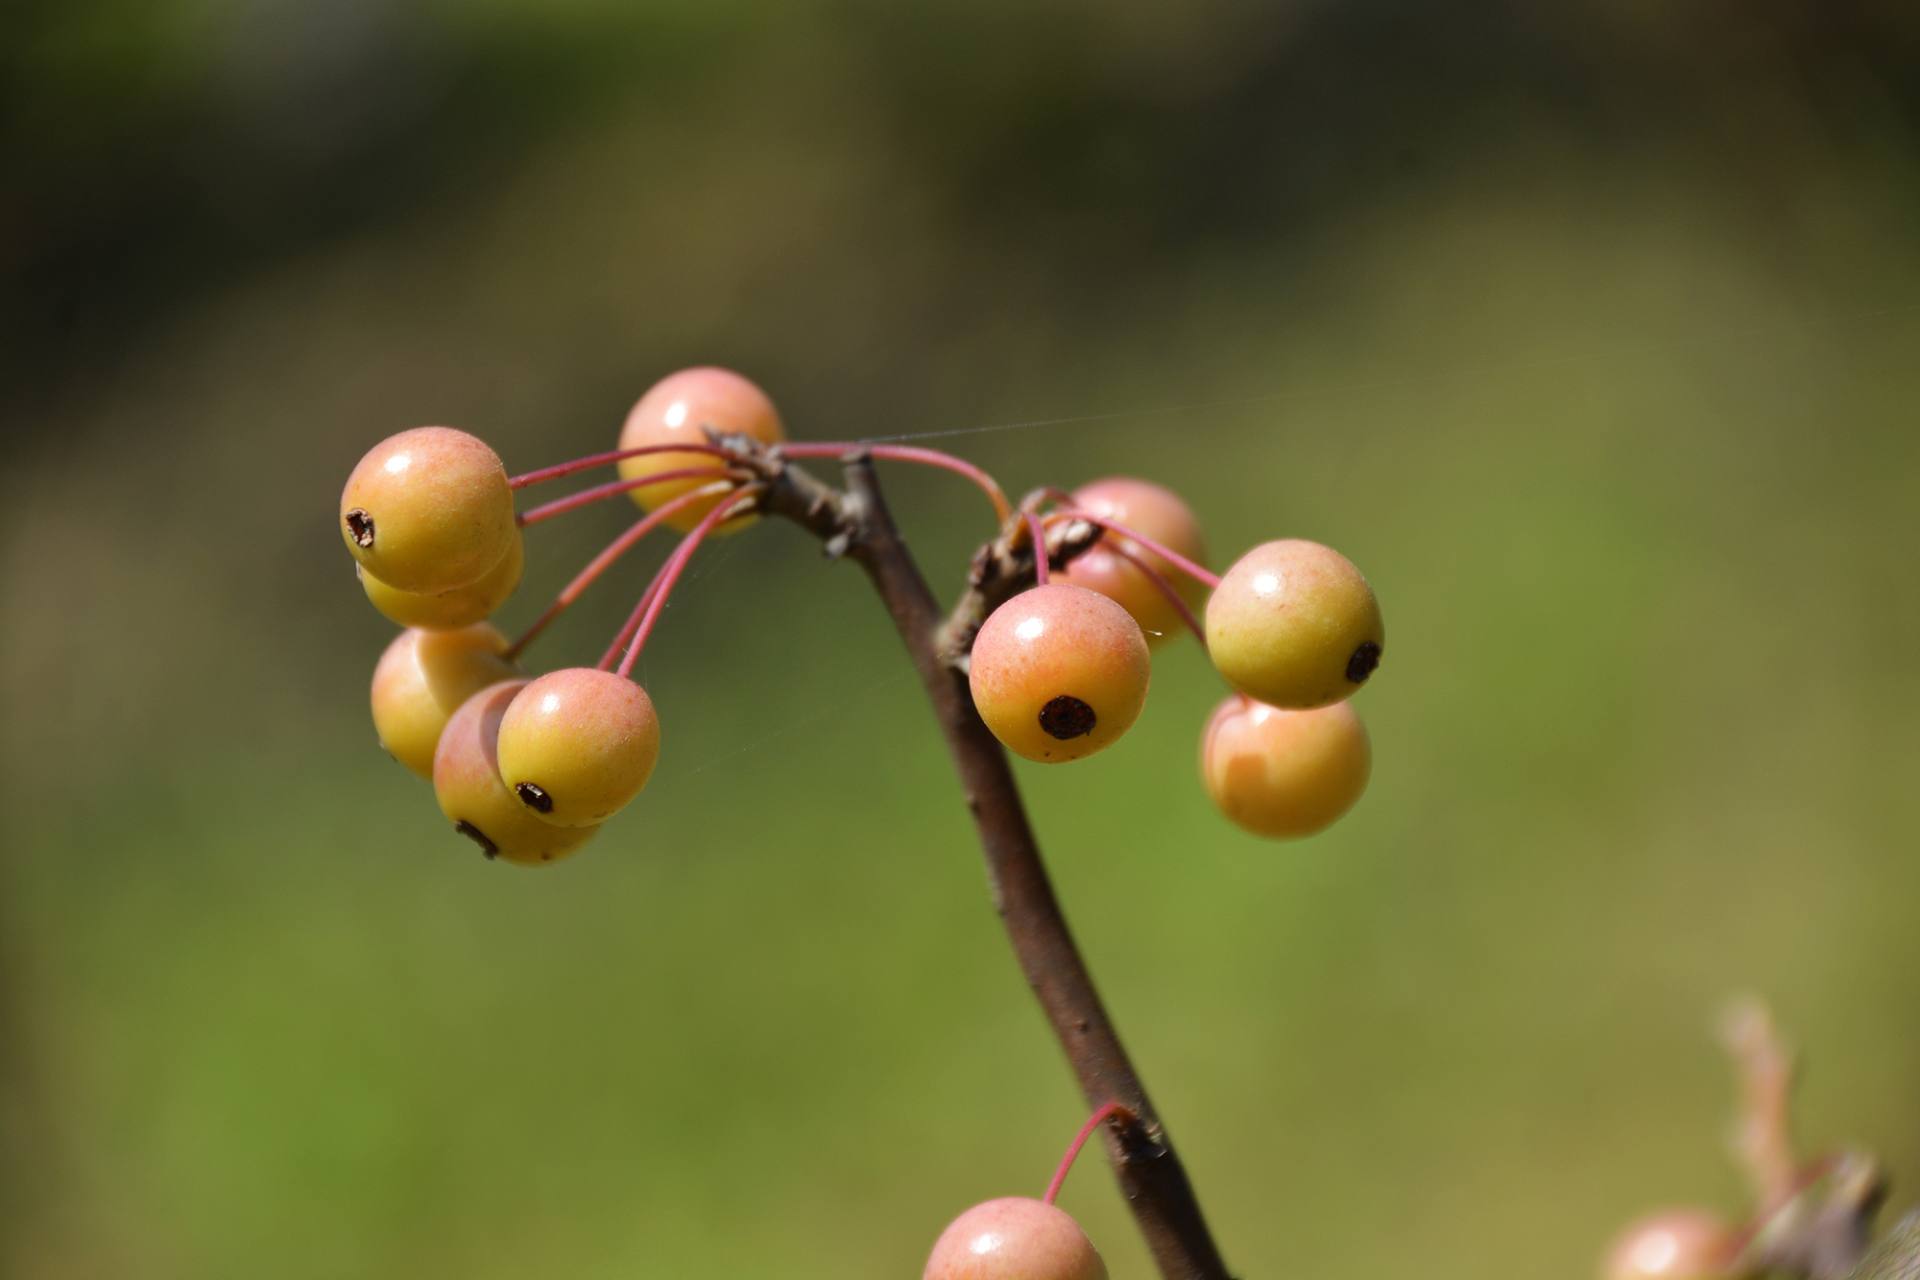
<point>488,849</point>
<point>1067,717</point>
<point>1363,662</point>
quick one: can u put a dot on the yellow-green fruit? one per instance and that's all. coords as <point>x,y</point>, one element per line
<point>1284,773</point>
<point>466,782</point>
<point>1153,511</point>
<point>578,745</point>
<point>1059,672</point>
<point>1293,624</point>
<point>428,510</point>
<point>1677,1244</point>
<point>677,410</point>
<point>448,610</point>
<point>422,678</point>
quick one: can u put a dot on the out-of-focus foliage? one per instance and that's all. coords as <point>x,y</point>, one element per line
<point>1587,330</point>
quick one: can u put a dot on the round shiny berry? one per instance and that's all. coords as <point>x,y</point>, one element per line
<point>422,678</point>
<point>1014,1239</point>
<point>1284,773</point>
<point>446,610</point>
<point>1154,512</point>
<point>428,510</point>
<point>677,410</point>
<point>1293,624</point>
<point>466,782</point>
<point>577,745</point>
<point>1679,1244</point>
<point>1059,672</point>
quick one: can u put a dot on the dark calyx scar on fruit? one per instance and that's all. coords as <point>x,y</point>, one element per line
<point>479,837</point>
<point>1067,717</point>
<point>533,796</point>
<point>360,525</point>
<point>1364,660</point>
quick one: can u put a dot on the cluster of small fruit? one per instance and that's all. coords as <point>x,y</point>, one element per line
<point>1061,671</point>
<point>531,768</point>
<point>1018,1238</point>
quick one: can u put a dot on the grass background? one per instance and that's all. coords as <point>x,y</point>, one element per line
<point>1589,334</point>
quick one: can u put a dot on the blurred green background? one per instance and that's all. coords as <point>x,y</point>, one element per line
<point>1589,331</point>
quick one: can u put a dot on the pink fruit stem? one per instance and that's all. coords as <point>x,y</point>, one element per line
<point>1039,536</point>
<point>592,460</point>
<point>1198,572</point>
<point>631,625</point>
<point>676,565</point>
<point>1109,1111</point>
<point>1166,588</point>
<point>600,492</point>
<point>602,562</point>
<point>1002,509</point>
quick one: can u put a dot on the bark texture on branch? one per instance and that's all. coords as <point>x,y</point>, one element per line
<point>855,523</point>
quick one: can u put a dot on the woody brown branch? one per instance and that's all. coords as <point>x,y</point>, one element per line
<point>855,523</point>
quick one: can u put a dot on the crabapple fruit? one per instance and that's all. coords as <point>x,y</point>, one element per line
<point>1293,624</point>
<point>423,677</point>
<point>1284,773</point>
<point>1014,1238</point>
<point>1157,513</point>
<point>447,610</point>
<point>1059,672</point>
<point>676,410</point>
<point>1678,1244</point>
<point>466,782</point>
<point>578,744</point>
<point>428,510</point>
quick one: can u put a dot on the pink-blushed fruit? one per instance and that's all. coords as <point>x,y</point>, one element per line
<point>1284,773</point>
<point>423,677</point>
<point>1059,672</point>
<point>466,782</point>
<point>428,510</point>
<point>1676,1244</point>
<point>676,410</point>
<point>1155,512</point>
<point>449,610</point>
<point>1293,624</point>
<point>578,745</point>
<point>1014,1238</point>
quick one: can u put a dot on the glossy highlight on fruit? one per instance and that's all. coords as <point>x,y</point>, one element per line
<point>578,745</point>
<point>428,510</point>
<point>1014,1238</point>
<point>1283,773</point>
<point>1678,1244</point>
<point>1059,672</point>
<point>677,410</point>
<point>1293,624</point>
<point>448,610</point>
<point>422,679</point>
<point>466,782</point>
<point>1155,512</point>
